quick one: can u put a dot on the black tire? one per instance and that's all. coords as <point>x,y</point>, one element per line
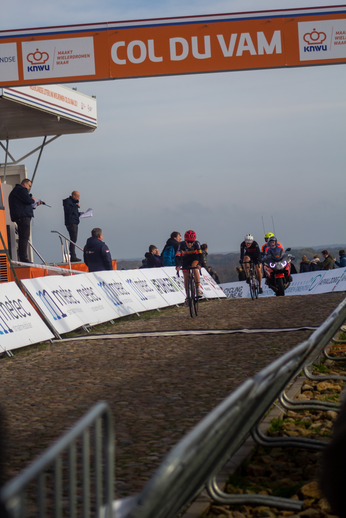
<point>280,288</point>
<point>190,295</point>
<point>195,297</point>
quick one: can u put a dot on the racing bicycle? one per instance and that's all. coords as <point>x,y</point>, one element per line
<point>254,285</point>
<point>191,295</point>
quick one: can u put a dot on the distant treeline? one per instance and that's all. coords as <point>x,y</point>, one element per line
<point>225,264</point>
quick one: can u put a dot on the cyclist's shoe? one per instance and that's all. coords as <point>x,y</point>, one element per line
<point>260,290</point>
<point>199,293</point>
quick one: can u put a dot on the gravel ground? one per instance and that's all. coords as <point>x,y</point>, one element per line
<point>158,388</point>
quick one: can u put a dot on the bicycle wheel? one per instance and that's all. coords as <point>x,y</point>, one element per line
<point>252,277</point>
<point>195,297</point>
<point>190,295</point>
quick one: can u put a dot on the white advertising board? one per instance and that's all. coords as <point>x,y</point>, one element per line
<point>330,280</point>
<point>302,284</point>
<point>171,272</point>
<point>20,325</point>
<point>70,302</point>
<point>235,290</point>
<point>117,291</point>
<point>164,285</point>
<point>341,285</point>
<point>142,289</point>
<point>206,279</point>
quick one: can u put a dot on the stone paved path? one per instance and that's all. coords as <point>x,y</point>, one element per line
<point>158,388</point>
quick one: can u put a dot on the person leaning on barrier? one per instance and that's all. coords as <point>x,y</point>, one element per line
<point>97,256</point>
<point>21,205</point>
<point>304,265</point>
<point>342,257</point>
<point>204,249</point>
<point>315,264</point>
<point>153,259</point>
<point>328,263</point>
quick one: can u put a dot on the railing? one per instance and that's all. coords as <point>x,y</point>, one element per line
<point>73,462</point>
<point>64,247</point>
<point>195,461</point>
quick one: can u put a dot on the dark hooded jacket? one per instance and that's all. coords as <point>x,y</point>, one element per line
<point>20,203</point>
<point>71,211</point>
<point>153,261</point>
<point>97,256</point>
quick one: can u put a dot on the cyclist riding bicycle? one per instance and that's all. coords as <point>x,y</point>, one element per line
<point>189,254</point>
<point>250,251</point>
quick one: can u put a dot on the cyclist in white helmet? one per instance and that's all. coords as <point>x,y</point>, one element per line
<point>250,251</point>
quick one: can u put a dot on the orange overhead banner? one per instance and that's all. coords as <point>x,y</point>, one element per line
<point>171,46</point>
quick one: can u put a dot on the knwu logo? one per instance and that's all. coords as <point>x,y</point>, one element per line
<point>38,61</point>
<point>315,41</point>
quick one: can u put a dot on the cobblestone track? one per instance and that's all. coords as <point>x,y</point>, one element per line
<point>158,388</point>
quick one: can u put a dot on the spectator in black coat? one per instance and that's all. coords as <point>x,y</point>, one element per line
<point>97,256</point>
<point>304,265</point>
<point>21,205</point>
<point>153,257</point>
<point>71,213</point>
<point>315,264</point>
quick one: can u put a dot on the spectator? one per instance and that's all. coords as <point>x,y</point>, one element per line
<point>342,257</point>
<point>153,257</point>
<point>328,263</point>
<point>241,273</point>
<point>304,265</point>
<point>97,256</point>
<point>204,248</point>
<point>293,268</point>
<point>144,264</point>
<point>315,264</point>
<point>71,213</point>
<point>170,249</point>
<point>21,205</point>
<point>213,274</point>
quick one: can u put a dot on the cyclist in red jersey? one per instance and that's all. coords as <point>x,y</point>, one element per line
<point>250,251</point>
<point>189,254</point>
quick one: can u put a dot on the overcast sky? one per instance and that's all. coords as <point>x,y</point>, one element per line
<point>212,152</point>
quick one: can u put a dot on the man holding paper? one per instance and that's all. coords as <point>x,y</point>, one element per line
<point>72,214</point>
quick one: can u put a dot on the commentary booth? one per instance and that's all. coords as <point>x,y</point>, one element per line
<point>26,112</point>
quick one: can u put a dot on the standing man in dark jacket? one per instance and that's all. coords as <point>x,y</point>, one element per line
<point>97,256</point>
<point>71,212</point>
<point>21,205</point>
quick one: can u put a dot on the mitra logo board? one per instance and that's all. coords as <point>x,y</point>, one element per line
<point>322,40</point>
<point>58,58</point>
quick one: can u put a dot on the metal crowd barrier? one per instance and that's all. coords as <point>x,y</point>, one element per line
<point>74,476</point>
<point>195,461</point>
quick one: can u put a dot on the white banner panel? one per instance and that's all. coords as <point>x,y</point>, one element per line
<point>117,291</point>
<point>341,285</point>
<point>235,290</point>
<point>70,302</point>
<point>171,272</point>
<point>20,325</point>
<point>206,278</point>
<point>164,285</point>
<point>329,281</point>
<point>139,286</point>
